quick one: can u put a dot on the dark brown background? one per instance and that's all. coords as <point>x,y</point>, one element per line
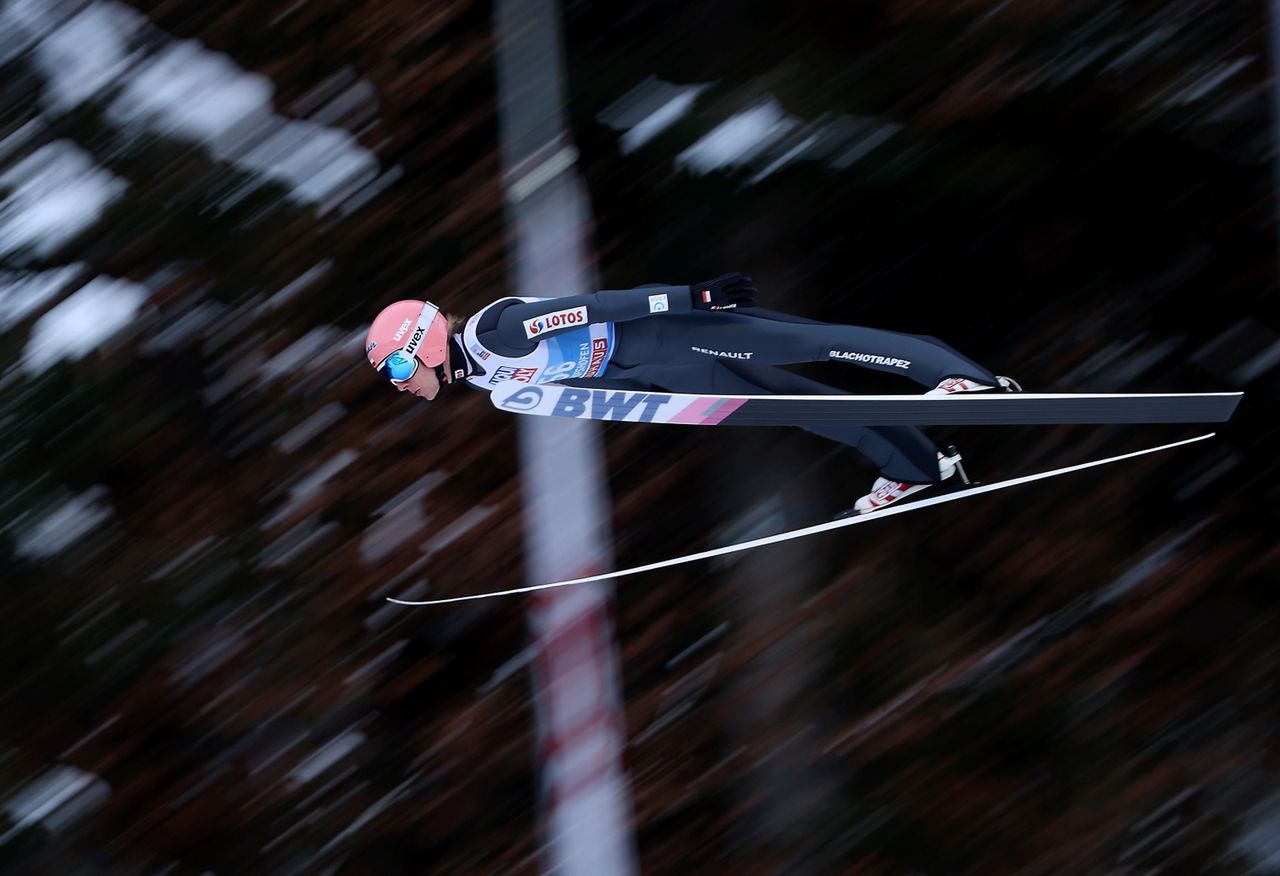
<point>1073,677</point>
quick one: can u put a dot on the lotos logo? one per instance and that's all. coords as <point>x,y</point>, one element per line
<point>404,327</point>
<point>523,399</point>
<point>558,319</point>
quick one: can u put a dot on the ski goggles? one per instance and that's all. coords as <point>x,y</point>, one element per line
<point>399,367</point>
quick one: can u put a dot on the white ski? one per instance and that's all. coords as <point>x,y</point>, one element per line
<point>956,409</point>
<point>814,530</point>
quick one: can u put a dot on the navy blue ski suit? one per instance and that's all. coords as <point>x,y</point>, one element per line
<point>739,352</point>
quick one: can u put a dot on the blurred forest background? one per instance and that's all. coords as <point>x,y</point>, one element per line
<point>205,493</point>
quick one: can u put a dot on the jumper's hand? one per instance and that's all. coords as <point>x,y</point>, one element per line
<point>724,293</point>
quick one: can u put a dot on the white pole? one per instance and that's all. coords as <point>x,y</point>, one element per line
<point>581,730</point>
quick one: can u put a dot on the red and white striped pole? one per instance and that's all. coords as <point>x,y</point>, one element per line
<point>586,810</point>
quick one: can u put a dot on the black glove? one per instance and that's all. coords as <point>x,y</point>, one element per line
<point>724,293</point>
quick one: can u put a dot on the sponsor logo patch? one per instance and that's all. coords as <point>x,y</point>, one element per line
<point>659,303</point>
<point>600,404</point>
<point>523,399</point>
<point>599,349</point>
<point>557,319</point>
<point>870,359</point>
<point>519,375</point>
<point>418,334</point>
<point>722,354</point>
<point>478,351</point>
<point>372,344</point>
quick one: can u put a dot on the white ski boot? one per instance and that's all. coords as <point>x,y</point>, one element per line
<point>885,492</point>
<point>964,384</point>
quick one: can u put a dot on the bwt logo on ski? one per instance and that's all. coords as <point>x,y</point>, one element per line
<point>555,320</point>
<point>523,399</point>
<point>508,372</point>
<point>721,353</point>
<point>605,405</point>
<point>868,357</point>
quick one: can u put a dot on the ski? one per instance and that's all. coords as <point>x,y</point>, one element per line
<point>958,409</point>
<point>804,532</point>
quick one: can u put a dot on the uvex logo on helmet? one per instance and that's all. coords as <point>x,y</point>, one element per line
<point>412,347</point>
<point>555,320</point>
<point>404,327</point>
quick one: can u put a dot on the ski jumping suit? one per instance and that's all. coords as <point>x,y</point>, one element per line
<point>651,338</point>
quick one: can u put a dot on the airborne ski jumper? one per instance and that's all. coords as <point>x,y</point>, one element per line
<point>704,338</point>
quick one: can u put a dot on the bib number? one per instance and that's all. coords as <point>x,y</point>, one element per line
<point>559,372</point>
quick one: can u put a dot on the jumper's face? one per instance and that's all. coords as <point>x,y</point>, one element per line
<point>408,373</point>
<point>424,383</point>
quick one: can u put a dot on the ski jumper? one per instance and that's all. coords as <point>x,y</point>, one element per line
<point>651,338</point>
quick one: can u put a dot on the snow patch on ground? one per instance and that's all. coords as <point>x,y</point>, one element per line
<point>314,349</point>
<point>23,294</point>
<point>22,23</point>
<point>1259,840</point>
<point>330,754</point>
<point>400,519</point>
<point>307,487</point>
<point>321,165</point>
<point>763,137</point>
<point>182,89</point>
<point>54,194</point>
<point>187,91</point>
<point>738,139</point>
<point>647,110</point>
<point>57,798</point>
<point>82,322</point>
<point>177,330</point>
<point>65,524</point>
<point>86,53</point>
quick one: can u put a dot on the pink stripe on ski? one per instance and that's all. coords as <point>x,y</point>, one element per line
<point>707,411</point>
<point>693,412</point>
<point>727,407</point>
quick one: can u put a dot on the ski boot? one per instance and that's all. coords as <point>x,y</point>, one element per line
<point>885,492</point>
<point>964,384</point>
